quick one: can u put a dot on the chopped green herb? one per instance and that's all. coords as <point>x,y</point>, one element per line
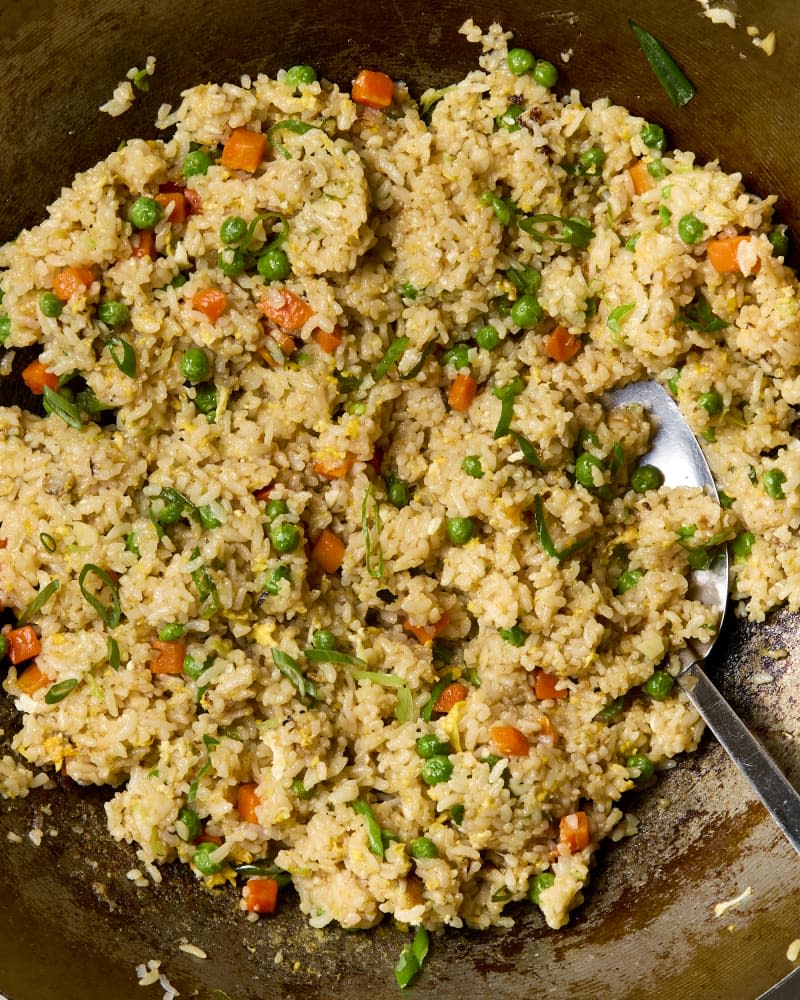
<point>288,125</point>
<point>575,232</point>
<point>527,449</point>
<point>319,655</point>
<point>546,539</point>
<point>411,959</point>
<point>206,588</point>
<point>394,352</point>
<point>376,570</point>
<point>288,666</point>
<point>264,869</point>
<point>112,651</point>
<point>58,692</point>
<point>699,316</point>
<point>441,684</point>
<point>373,827</point>
<point>404,709</point>
<point>618,315</point>
<point>56,403</point>
<point>110,614</point>
<point>123,355</point>
<point>38,602</point>
<point>507,394</point>
<point>679,88</point>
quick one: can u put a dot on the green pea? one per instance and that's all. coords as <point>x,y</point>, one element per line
<point>526,311</point>
<point>398,493</point>
<point>179,280</point>
<point>436,769</point>
<point>145,213</point>
<point>272,584</point>
<point>472,466</point>
<point>113,314</point>
<point>274,508</point>
<point>779,240</point>
<point>508,119</point>
<point>285,536</point>
<point>628,580</point>
<point>50,305</point>
<point>132,543</point>
<point>299,75</point>
<point>408,291</point>
<point>664,214</point>
<point>460,529</point>
<point>520,61</point>
<point>659,685</point>
<point>591,161</point>
<point>457,356</point>
<point>195,365</point>
<point>542,881</point>
<point>711,402</point>
<point>193,669</point>
<point>654,137</point>
<point>646,477</point>
<point>657,170</point>
<point>3,646</point>
<point>674,381</point>
<point>299,789</point>
<point>232,229</point>
<point>205,398</point>
<point>742,545</point>
<point>587,439</point>
<point>273,265</point>
<point>171,633</point>
<point>423,847</point>
<point>323,638</point>
<point>196,162</point>
<point>430,745</point>
<point>202,861</point>
<point>545,73</point>
<point>642,764</point>
<point>773,481</point>
<point>585,465</point>
<point>191,821</point>
<point>232,262</point>
<point>691,229</point>
<point>514,636</point>
<point>487,337</point>
<point>5,327</point>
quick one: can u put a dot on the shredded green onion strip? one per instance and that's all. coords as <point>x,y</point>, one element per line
<point>374,831</point>
<point>411,959</point>
<point>38,602</point>
<point>110,614</point>
<point>333,656</point>
<point>288,125</point>
<point>123,355</point>
<point>289,667</point>
<point>404,710</point>
<point>546,539</point>
<point>678,86</point>
<point>376,570</point>
<point>394,352</point>
<point>59,405</point>
<point>58,692</point>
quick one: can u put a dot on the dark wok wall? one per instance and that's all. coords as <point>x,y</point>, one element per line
<point>71,925</point>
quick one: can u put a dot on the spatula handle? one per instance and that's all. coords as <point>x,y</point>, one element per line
<point>768,781</point>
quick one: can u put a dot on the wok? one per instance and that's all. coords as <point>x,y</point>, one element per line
<point>71,925</point>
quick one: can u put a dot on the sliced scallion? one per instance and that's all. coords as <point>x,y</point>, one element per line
<point>394,353</point>
<point>288,125</point>
<point>546,539</point>
<point>109,613</point>
<point>404,709</point>
<point>38,602</point>
<point>373,827</point>
<point>375,570</point>
<point>527,449</point>
<point>333,656</point>
<point>123,356</point>
<point>58,692</point>
<point>48,541</point>
<point>264,869</point>
<point>679,88</point>
<point>411,959</point>
<point>112,647</point>
<point>288,666</point>
<point>59,405</point>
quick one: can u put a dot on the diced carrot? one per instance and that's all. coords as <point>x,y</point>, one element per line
<point>143,244</point>
<point>561,345</point>
<point>263,494</point>
<point>544,686</point>
<point>3,543</point>
<point>285,341</point>
<point>462,392</point>
<point>451,695</point>
<point>247,801</point>
<point>573,830</point>
<point>193,200</point>
<point>32,679</point>
<point>72,280</point>
<point>642,181</point>
<point>212,302</point>
<point>548,734</point>
<point>23,643</point>
<point>286,310</point>
<point>169,656</point>
<point>335,470</point>
<point>244,150</point>
<point>373,89</point>
<point>724,254</point>
<point>328,340</point>
<point>328,552</point>
<point>36,377</point>
<point>260,895</point>
<point>208,838</point>
<point>427,633</point>
<point>178,203</point>
<point>510,742</point>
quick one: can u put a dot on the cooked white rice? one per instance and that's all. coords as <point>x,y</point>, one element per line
<point>375,202</point>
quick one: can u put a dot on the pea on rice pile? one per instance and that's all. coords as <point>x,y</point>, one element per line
<point>312,489</point>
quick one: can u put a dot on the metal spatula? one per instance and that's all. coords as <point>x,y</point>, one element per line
<point>677,454</point>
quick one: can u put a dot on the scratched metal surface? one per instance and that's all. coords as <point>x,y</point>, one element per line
<point>71,925</point>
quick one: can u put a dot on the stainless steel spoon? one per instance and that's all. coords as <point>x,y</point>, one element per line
<point>677,454</point>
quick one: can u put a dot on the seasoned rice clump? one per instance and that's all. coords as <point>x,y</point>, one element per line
<point>312,482</point>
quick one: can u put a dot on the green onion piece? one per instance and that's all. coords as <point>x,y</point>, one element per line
<point>264,869</point>
<point>411,959</point>
<point>123,356</point>
<point>142,80</point>
<point>38,602</point>
<point>48,541</point>
<point>332,656</point>
<point>273,244</point>
<point>506,394</point>
<point>111,614</point>
<point>55,403</point>
<point>373,827</point>
<point>192,793</point>
<point>473,677</point>
<point>113,654</point>
<point>527,280</point>
<point>699,316</point>
<point>616,316</point>
<point>376,571</point>
<point>546,539</point>
<point>58,692</point>
<point>419,365</point>
<point>289,125</point>
<point>394,352</point>
<point>404,709</point>
<point>527,449</point>
<point>288,666</point>
<point>427,710</point>
<point>574,232</point>
<point>206,589</point>
<point>429,101</point>
<point>679,88</point>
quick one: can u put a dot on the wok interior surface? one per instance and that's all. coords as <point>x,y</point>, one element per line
<point>71,924</point>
